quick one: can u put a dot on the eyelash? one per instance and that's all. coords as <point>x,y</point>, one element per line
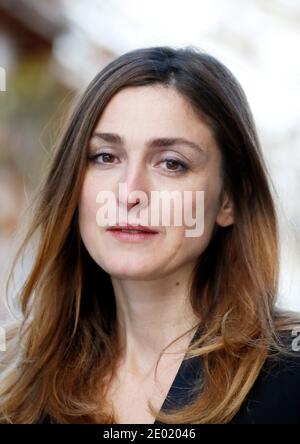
<point>182,165</point>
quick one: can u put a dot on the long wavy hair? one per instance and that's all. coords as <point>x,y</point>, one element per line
<point>66,343</point>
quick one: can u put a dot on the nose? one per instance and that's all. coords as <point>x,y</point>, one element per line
<point>135,181</point>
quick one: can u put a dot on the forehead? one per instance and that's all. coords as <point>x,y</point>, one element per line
<point>153,110</point>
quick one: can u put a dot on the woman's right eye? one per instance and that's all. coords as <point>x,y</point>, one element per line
<point>107,158</point>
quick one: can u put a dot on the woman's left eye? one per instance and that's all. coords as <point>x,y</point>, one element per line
<point>172,165</point>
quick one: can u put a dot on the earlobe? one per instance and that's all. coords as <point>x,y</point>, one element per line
<point>225,215</point>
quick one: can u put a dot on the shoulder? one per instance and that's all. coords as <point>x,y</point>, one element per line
<point>279,378</point>
<point>282,370</point>
<point>275,395</point>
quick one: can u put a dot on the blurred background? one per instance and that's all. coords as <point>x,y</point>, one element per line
<point>50,50</point>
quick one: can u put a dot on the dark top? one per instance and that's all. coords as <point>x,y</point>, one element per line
<point>273,399</point>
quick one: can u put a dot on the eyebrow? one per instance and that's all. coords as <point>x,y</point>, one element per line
<point>159,142</point>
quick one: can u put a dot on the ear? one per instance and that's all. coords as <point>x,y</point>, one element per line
<point>225,214</point>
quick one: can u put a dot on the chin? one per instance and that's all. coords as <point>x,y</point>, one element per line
<point>130,271</point>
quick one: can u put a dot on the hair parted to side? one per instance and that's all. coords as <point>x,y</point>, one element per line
<point>67,343</point>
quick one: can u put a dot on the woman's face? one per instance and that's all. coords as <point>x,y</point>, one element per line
<point>138,114</point>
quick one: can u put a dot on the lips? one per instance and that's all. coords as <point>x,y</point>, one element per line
<point>131,229</point>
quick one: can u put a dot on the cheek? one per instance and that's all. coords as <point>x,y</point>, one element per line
<point>202,208</point>
<point>180,249</point>
<point>211,206</point>
<point>87,207</point>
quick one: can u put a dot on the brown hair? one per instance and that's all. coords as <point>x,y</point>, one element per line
<point>67,342</point>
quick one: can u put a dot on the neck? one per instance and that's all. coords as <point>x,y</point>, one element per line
<point>152,314</point>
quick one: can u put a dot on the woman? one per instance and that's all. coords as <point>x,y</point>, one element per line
<point>124,326</point>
